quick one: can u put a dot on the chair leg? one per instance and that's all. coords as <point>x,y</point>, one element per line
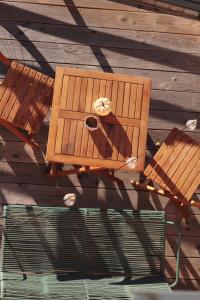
<point>195,203</point>
<point>20,135</point>
<point>181,204</point>
<point>150,188</point>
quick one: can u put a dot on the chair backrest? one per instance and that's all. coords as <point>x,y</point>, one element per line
<point>4,59</point>
<point>88,241</point>
<point>176,165</point>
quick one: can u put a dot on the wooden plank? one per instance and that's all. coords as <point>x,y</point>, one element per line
<point>70,95</point>
<point>120,97</point>
<point>54,114</point>
<point>143,115</point>
<point>77,143</point>
<point>132,104</point>
<point>116,142</point>
<point>89,95</point>
<point>124,142</point>
<point>59,135</point>
<point>103,4</point>
<point>30,194</point>
<point>33,115</point>
<point>123,20</point>
<point>72,137</point>
<point>102,88</point>
<point>16,94</point>
<point>115,57</point>
<point>9,90</point>
<point>178,6</point>
<point>178,151</point>
<point>64,93</point>
<point>171,82</point>
<point>40,106</point>
<point>106,119</point>
<point>10,78</point>
<point>83,94</point>
<point>114,95</point>
<point>125,109</point>
<point>108,91</point>
<point>19,113</point>
<point>65,136</point>
<point>77,94</point>
<point>128,149</point>
<point>84,142</point>
<point>138,101</point>
<point>179,166</point>
<point>108,37</point>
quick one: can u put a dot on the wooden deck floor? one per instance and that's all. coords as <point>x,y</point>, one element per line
<point>115,36</point>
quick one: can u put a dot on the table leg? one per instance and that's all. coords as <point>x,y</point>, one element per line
<point>53,171</point>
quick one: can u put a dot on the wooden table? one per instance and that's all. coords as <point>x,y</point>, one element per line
<point>121,135</point>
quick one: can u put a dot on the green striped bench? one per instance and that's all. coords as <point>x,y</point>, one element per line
<point>61,253</point>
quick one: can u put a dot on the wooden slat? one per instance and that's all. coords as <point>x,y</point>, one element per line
<point>133,95</point>
<point>103,141</point>
<point>138,102</point>
<point>77,94</point>
<point>34,114</point>
<point>115,87</point>
<point>120,98</point>
<point>108,37</point>
<point>10,78</point>
<point>150,171</point>
<point>59,135</point>
<point>128,148</point>
<point>116,142</point>
<point>65,136</point>
<point>143,115</point>
<point>30,108</point>
<point>97,135</point>
<point>192,181</point>
<point>95,93</point>
<point>106,119</point>
<point>72,137</point>
<point>64,93</point>
<point>123,143</point>
<point>103,4</point>
<point>125,111</point>
<point>179,165</point>
<point>102,88</point>
<point>79,131</point>
<point>121,19</point>
<point>84,143</point>
<point>108,91</point>
<point>83,94</point>
<point>16,95</point>
<point>89,99</point>
<point>70,96</point>
<point>178,150</point>
<point>136,132</point>
<point>54,114</point>
<point>11,84</point>
<point>19,113</point>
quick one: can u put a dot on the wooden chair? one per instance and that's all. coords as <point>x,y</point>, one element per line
<point>25,97</point>
<point>62,253</point>
<point>176,170</point>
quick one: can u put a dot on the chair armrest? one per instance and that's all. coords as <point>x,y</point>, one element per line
<point>178,242</point>
<point>4,59</point>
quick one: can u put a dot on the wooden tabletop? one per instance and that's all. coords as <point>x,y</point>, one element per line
<point>121,135</point>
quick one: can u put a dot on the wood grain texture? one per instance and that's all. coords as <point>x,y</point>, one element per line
<point>135,42</point>
<point>97,147</point>
<point>124,20</point>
